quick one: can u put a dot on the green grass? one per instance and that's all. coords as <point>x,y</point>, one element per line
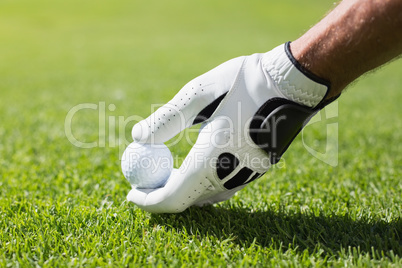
<point>61,205</point>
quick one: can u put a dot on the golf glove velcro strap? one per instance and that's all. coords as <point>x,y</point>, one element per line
<point>276,124</point>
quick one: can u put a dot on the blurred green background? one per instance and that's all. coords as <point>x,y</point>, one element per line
<point>64,205</point>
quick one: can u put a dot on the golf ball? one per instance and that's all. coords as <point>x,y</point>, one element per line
<point>147,165</point>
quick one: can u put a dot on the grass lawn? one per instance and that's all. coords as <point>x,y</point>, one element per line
<point>62,194</point>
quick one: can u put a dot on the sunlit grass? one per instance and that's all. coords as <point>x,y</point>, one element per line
<point>62,205</point>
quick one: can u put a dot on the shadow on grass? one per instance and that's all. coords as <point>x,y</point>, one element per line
<point>299,231</point>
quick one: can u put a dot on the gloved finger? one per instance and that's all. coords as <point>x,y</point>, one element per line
<point>216,198</point>
<point>208,171</point>
<point>193,104</point>
<point>178,194</point>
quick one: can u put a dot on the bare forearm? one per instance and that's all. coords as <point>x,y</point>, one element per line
<point>356,37</point>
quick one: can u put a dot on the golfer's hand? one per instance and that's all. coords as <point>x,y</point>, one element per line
<point>251,108</point>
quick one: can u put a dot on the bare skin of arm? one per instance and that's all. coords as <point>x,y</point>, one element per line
<point>354,38</point>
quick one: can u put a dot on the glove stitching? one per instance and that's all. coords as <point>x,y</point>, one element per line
<point>291,91</point>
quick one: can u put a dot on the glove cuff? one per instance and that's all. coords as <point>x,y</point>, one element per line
<point>292,80</point>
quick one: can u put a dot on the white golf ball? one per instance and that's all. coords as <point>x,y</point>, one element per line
<point>147,165</point>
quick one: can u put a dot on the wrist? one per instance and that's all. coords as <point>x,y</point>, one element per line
<point>311,57</point>
<point>292,80</point>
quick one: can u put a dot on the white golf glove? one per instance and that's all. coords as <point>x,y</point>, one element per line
<point>251,108</point>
